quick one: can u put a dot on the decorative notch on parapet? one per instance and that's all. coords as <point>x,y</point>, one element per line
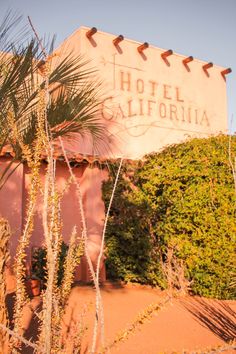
<point>141,49</point>
<point>165,55</point>
<point>226,72</point>
<point>206,67</point>
<point>186,61</point>
<point>90,33</point>
<point>116,41</point>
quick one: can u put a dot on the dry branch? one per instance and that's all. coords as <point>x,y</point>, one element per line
<point>4,258</point>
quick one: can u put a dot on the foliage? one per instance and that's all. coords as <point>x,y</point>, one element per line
<point>39,262</point>
<point>181,199</point>
<point>132,253</point>
<point>26,73</point>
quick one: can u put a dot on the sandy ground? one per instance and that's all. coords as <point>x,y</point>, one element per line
<point>181,325</point>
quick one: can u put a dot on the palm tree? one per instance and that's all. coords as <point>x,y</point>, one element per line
<point>73,94</point>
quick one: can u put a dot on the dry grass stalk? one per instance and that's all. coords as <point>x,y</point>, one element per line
<point>33,161</point>
<point>82,213</point>
<point>21,295</point>
<point>174,272</point>
<point>142,318</point>
<point>51,221</point>
<point>75,333</point>
<point>53,298</point>
<point>85,238</point>
<point>72,260</point>
<point>53,239</point>
<point>4,259</point>
<point>99,304</point>
<point>229,348</point>
<point>74,254</point>
<point>20,339</point>
<point>99,317</point>
<point>52,228</point>
<point>32,157</point>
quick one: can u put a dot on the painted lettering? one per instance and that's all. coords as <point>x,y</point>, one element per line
<point>106,112</point>
<point>183,113</point>
<point>189,117</point>
<point>141,107</point>
<point>171,107</point>
<point>153,87</point>
<point>196,116</point>
<point>150,107</point>
<point>162,110</point>
<point>186,114</point>
<point>140,86</point>
<point>173,112</point>
<point>130,113</point>
<point>205,119</point>
<point>178,99</point>
<point>166,89</point>
<point>120,113</point>
<point>125,81</point>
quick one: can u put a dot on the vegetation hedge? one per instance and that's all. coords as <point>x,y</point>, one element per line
<point>182,199</point>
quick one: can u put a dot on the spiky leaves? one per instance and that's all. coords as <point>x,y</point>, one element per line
<point>73,91</point>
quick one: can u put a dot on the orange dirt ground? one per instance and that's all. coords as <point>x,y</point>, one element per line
<point>183,325</point>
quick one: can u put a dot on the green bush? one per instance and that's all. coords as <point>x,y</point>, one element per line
<point>182,199</point>
<point>39,262</point>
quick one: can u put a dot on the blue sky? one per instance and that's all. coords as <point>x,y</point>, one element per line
<point>205,29</point>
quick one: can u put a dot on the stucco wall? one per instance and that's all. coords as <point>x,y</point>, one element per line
<point>13,202</point>
<point>11,199</point>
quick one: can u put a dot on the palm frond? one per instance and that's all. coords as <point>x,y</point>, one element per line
<point>73,88</point>
<point>12,30</point>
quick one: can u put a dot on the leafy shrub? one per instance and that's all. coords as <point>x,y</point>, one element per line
<point>130,250</point>
<point>39,263</point>
<point>181,199</point>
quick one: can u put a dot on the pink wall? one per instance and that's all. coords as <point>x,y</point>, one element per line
<point>13,201</point>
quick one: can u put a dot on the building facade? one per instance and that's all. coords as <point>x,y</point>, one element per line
<point>151,98</point>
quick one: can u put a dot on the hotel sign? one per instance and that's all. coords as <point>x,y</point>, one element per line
<point>152,97</point>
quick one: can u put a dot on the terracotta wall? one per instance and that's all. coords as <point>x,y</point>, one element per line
<point>13,201</point>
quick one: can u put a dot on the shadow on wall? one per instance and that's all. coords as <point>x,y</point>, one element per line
<point>215,315</point>
<point>30,317</point>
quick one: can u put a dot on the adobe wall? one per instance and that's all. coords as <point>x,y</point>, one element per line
<point>11,200</point>
<point>13,203</point>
